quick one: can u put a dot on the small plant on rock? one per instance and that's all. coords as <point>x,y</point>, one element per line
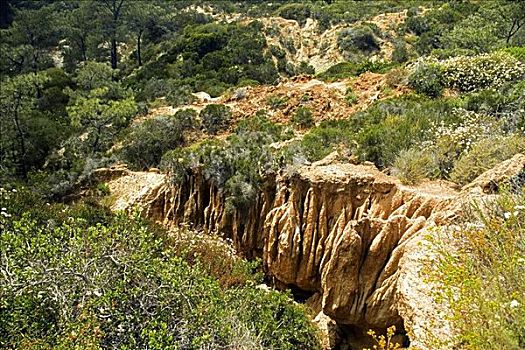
<point>351,97</point>
<point>384,342</point>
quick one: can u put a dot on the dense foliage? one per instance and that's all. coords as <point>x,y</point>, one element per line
<point>78,277</point>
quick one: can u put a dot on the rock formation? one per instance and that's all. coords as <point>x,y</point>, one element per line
<point>347,235</point>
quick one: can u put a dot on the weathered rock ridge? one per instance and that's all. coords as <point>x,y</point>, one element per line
<point>339,232</point>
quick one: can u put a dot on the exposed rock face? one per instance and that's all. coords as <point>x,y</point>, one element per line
<point>331,335</point>
<point>341,230</point>
<point>348,234</point>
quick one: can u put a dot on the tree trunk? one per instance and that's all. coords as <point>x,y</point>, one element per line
<point>83,49</point>
<point>94,146</point>
<point>113,52</point>
<point>21,141</point>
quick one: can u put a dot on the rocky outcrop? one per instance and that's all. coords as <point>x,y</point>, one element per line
<point>348,235</point>
<point>340,230</point>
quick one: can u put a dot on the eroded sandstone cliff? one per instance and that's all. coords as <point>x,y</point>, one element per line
<point>347,235</point>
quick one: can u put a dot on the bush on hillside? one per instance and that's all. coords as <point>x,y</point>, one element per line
<point>427,78</point>
<point>400,53</point>
<point>145,144</point>
<point>298,12</point>
<point>449,142</point>
<point>473,33</point>
<point>93,281</point>
<point>320,141</point>
<point>348,69</point>
<point>517,52</point>
<point>241,193</point>
<point>168,90</point>
<point>360,38</point>
<point>414,165</point>
<point>276,101</point>
<point>506,103</point>
<point>236,164</point>
<point>484,155</point>
<point>215,118</point>
<point>443,54</point>
<point>380,133</point>
<point>303,117</point>
<point>187,118</point>
<point>417,24</point>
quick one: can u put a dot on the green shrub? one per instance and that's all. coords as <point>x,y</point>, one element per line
<point>414,165</point>
<point>215,118</point>
<point>448,142</point>
<point>261,124</point>
<point>170,90</point>
<point>400,53</point>
<point>482,71</point>
<point>507,103</point>
<point>427,79</point>
<point>347,69</point>
<point>94,75</point>
<point>241,193</point>
<point>442,54</point>
<point>381,142</point>
<point>417,25</point>
<point>209,57</point>
<point>516,51</point>
<point>480,275</point>
<point>339,71</point>
<point>474,33</point>
<point>236,164</point>
<point>361,38</point>
<point>276,101</point>
<point>322,140</point>
<point>380,133</point>
<point>484,155</point>
<point>303,117</point>
<point>298,12</point>
<point>144,146</point>
<point>428,42</point>
<point>187,118</point>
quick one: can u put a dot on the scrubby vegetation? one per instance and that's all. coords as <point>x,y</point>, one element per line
<point>79,277</point>
<point>482,279</point>
<point>90,84</point>
<point>237,164</point>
